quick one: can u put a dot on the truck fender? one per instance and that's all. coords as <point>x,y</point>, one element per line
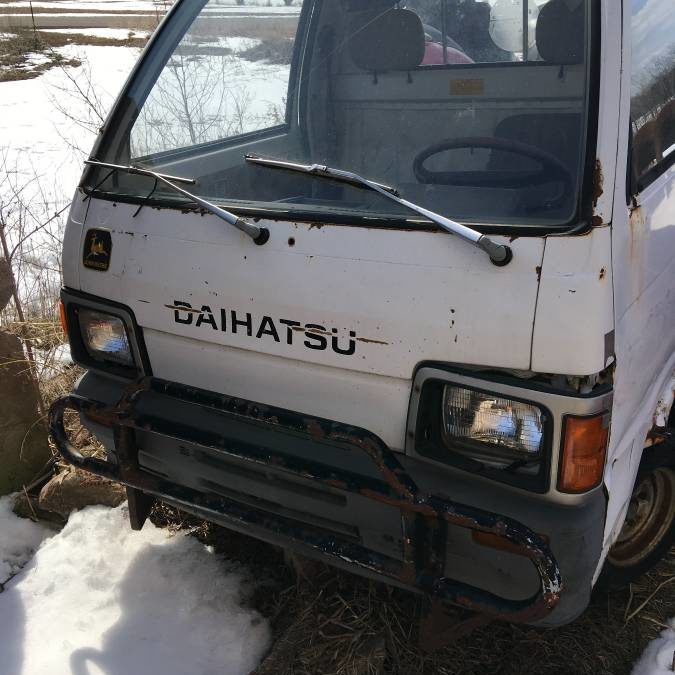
<point>655,434</point>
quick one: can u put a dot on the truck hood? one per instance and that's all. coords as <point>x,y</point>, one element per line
<point>359,298</point>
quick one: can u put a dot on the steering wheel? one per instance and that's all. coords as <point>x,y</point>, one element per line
<point>551,168</point>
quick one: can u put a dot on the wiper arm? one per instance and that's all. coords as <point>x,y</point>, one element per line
<point>260,235</point>
<point>499,254</point>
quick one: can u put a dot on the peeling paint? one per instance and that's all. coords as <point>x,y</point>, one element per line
<point>598,183</point>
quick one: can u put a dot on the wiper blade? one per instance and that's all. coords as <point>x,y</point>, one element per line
<point>320,170</point>
<point>499,253</point>
<point>260,235</point>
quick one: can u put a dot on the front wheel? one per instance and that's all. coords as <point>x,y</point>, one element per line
<point>649,529</point>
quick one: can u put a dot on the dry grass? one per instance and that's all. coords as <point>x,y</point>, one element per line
<point>16,52</point>
<point>55,379</point>
<point>332,623</point>
<point>17,49</point>
<point>281,28</point>
<point>273,50</point>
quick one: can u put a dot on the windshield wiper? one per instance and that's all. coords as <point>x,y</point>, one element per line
<point>260,235</point>
<point>499,253</point>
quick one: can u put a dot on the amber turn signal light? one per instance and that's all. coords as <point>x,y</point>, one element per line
<point>583,452</point>
<point>62,316</point>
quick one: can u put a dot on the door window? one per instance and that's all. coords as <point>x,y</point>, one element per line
<point>652,88</point>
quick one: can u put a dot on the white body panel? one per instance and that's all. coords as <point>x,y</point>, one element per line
<point>574,310</point>
<point>643,246</point>
<point>643,262</point>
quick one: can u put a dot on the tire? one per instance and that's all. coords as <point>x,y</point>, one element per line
<point>649,530</point>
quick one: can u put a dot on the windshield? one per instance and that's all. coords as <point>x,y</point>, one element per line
<point>476,110</point>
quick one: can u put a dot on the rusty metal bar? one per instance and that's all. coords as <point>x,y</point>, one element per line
<point>424,516</point>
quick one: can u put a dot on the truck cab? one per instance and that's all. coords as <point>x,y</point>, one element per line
<point>391,284</point>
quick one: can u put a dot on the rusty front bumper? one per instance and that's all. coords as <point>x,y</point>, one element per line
<point>424,517</point>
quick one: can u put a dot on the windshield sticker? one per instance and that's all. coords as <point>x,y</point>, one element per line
<point>97,250</point>
<point>310,335</point>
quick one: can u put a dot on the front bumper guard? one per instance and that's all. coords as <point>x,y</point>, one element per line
<point>424,517</point>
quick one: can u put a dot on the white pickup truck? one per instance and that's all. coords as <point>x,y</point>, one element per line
<point>392,284</point>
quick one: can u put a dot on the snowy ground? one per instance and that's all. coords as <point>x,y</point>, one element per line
<point>659,657</point>
<point>19,539</point>
<point>37,137</point>
<point>99,599</point>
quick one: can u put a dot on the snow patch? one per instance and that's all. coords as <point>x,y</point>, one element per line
<point>35,60</point>
<point>38,138</point>
<point>110,33</point>
<point>100,599</point>
<point>52,362</point>
<point>19,539</point>
<point>659,657</point>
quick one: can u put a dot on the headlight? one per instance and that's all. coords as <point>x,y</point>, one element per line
<point>105,338</point>
<point>486,425</point>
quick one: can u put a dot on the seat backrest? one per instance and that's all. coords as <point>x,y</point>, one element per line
<point>560,32</point>
<point>386,40</point>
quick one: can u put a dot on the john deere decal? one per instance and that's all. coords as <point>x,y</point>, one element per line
<point>97,250</point>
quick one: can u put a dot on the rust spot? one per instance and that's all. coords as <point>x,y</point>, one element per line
<point>598,182</point>
<point>291,241</point>
<point>636,217</point>
<point>315,430</point>
<point>318,226</point>
<point>603,274</point>
<point>537,269</point>
<point>636,223</point>
<point>596,221</point>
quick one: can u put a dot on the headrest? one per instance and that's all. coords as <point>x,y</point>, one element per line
<point>560,32</point>
<point>389,40</point>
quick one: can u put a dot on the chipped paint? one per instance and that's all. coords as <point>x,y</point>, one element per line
<point>658,432</point>
<point>598,183</point>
